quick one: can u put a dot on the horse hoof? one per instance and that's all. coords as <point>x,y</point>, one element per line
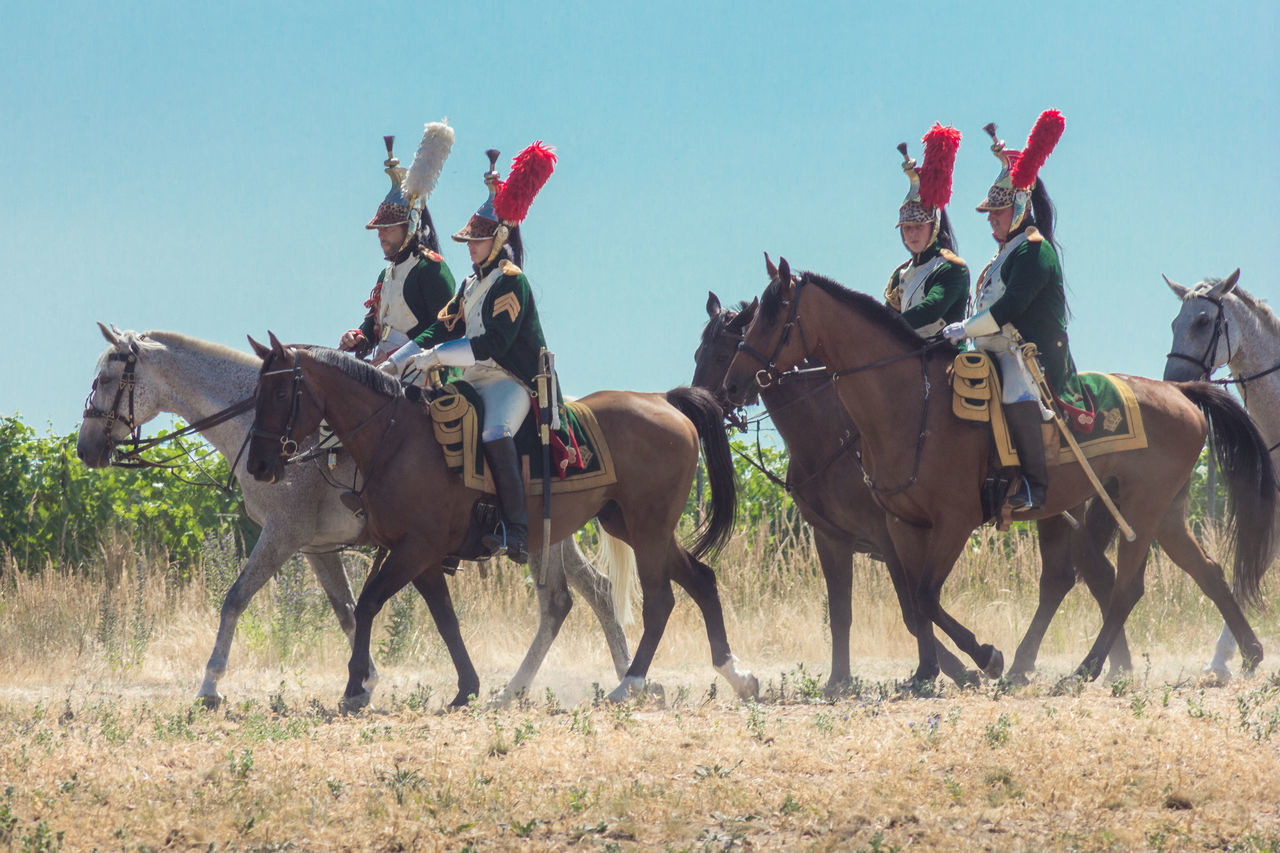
<point>1214,676</point>
<point>968,678</point>
<point>995,664</point>
<point>1018,678</point>
<point>355,704</point>
<point>749,687</point>
<point>632,685</point>
<point>1072,685</point>
<point>836,688</point>
<point>462,700</point>
<point>210,701</point>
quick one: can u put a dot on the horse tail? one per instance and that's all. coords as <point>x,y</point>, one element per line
<point>1245,464</point>
<point>700,406</point>
<point>616,561</point>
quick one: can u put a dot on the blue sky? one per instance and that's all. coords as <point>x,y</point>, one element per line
<point>209,168</point>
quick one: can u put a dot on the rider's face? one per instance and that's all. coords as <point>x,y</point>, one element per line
<point>915,236</point>
<point>480,250</point>
<point>392,238</point>
<point>1001,220</point>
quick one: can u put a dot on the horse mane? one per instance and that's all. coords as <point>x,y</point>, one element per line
<point>176,340</point>
<point>361,371</point>
<point>879,313</point>
<point>1262,309</point>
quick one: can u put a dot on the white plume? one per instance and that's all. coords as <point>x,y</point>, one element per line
<point>437,141</point>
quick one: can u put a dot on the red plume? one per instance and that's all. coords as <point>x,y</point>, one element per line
<point>1044,136</point>
<point>940,145</point>
<point>529,171</point>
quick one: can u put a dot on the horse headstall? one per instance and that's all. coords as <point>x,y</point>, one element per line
<point>288,444</point>
<point>766,375</point>
<point>1220,330</point>
<point>128,381</point>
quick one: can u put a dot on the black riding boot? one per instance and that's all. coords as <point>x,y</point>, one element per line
<point>1024,428</point>
<point>513,536</point>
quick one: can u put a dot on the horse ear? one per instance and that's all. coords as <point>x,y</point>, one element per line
<point>784,271</point>
<point>713,304</point>
<point>1229,284</point>
<point>112,335</point>
<point>261,351</point>
<point>1178,290</point>
<point>769,267</point>
<point>276,346</point>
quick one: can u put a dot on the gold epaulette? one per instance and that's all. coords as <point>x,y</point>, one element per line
<point>1034,235</point>
<point>508,268</point>
<point>951,257</point>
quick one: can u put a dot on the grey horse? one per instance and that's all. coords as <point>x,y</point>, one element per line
<point>1221,324</point>
<point>195,379</point>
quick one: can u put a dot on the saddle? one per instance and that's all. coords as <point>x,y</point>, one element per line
<point>975,384</point>
<point>580,457</point>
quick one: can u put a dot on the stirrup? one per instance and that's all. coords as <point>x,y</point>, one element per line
<point>1023,501</point>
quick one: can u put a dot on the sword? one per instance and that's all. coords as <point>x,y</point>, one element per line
<point>1028,352</point>
<point>546,380</point>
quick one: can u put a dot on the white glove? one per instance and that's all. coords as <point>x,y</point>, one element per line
<point>424,361</point>
<point>955,333</point>
<point>396,363</point>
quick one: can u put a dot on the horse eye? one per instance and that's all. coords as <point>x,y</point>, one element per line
<point>1202,320</point>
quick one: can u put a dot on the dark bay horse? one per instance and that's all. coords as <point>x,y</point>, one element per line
<point>825,480</point>
<point>926,466</point>
<point>420,511</point>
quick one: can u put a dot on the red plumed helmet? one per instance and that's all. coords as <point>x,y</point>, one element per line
<point>529,171</point>
<point>1040,144</point>
<point>940,146</point>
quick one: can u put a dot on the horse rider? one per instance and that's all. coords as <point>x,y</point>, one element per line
<point>931,289</point>
<point>1020,297</point>
<point>416,283</point>
<point>491,330</point>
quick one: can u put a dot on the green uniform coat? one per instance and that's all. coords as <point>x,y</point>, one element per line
<point>1035,303</point>
<point>427,289</point>
<point>512,334</point>
<point>946,289</point>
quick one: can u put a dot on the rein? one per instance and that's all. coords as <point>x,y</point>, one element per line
<point>1205,362</point>
<point>134,446</point>
<point>289,445</point>
<point>767,375</point>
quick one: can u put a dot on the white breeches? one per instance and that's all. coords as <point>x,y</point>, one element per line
<point>1016,383</point>
<point>506,402</point>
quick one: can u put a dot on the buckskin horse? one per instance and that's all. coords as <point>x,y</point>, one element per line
<point>211,386</point>
<point>1220,324</point>
<point>925,466</point>
<point>825,481</point>
<point>420,511</point>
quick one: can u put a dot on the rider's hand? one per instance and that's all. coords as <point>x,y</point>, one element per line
<point>955,333</point>
<point>425,361</point>
<point>350,340</point>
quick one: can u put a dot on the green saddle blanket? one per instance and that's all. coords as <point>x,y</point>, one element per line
<point>1117,422</point>
<point>580,457</point>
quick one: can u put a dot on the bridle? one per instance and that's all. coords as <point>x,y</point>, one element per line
<point>289,445</point>
<point>128,381</point>
<point>769,374</point>
<point>1220,331</point>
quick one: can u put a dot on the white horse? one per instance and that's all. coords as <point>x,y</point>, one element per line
<point>1222,324</point>
<point>195,379</point>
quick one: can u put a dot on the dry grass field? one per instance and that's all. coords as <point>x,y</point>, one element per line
<point>100,747</point>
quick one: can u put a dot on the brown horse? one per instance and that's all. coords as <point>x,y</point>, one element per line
<point>420,511</point>
<point>926,466</point>
<point>825,480</point>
